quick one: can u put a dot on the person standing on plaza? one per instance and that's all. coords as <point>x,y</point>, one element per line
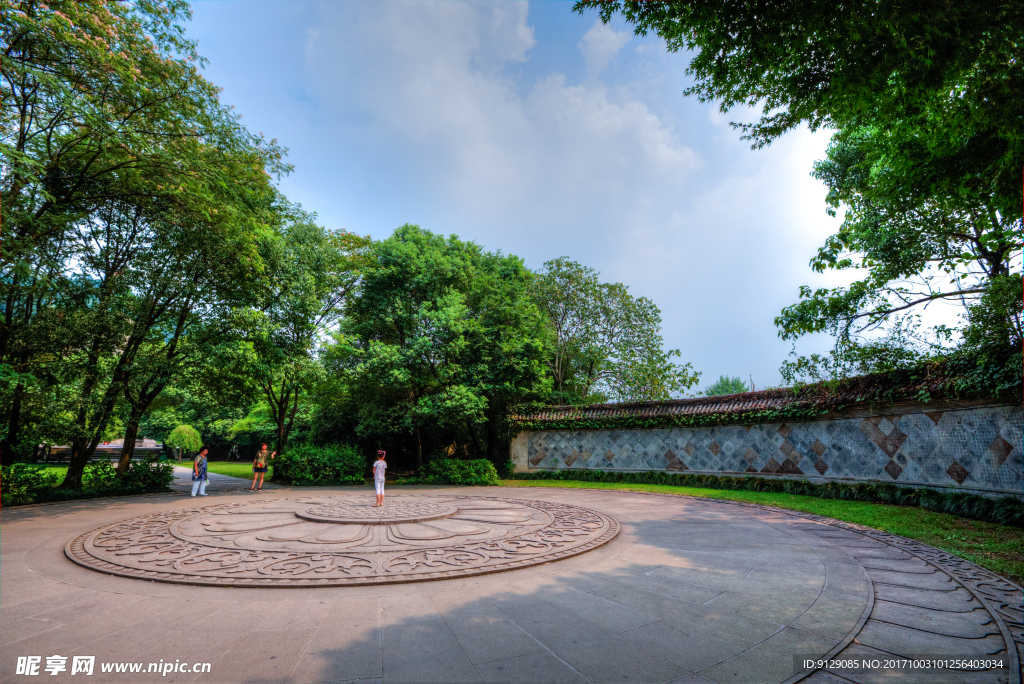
<point>199,475</point>
<point>379,466</point>
<point>259,465</point>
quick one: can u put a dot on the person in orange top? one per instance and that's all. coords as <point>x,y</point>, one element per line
<point>259,465</point>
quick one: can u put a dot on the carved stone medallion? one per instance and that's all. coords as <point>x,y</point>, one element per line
<point>329,541</point>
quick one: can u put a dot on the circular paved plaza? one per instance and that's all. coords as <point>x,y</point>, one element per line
<point>486,585</point>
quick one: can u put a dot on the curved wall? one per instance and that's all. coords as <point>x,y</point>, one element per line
<point>976,448</point>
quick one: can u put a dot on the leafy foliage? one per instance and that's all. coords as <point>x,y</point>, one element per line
<point>922,233</point>
<point>134,204</point>
<point>441,340</point>
<point>725,385</point>
<point>924,99</point>
<point>606,343</point>
<point>333,464</point>
<point>954,67</point>
<point>1005,511</point>
<point>313,272</point>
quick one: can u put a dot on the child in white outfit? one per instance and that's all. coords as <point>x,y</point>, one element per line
<point>379,467</point>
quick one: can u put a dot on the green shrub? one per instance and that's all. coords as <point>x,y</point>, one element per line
<point>455,472</point>
<point>149,474</point>
<point>334,464</point>
<point>1005,511</point>
<point>18,482</point>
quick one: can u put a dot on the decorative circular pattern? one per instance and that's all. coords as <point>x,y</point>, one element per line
<point>359,512</point>
<point>331,541</point>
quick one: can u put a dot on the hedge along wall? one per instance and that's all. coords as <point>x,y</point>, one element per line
<point>973,446</point>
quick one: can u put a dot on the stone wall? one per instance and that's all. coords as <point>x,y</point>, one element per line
<point>974,448</point>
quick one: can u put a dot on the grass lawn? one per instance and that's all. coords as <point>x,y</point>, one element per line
<point>236,469</point>
<point>59,470</point>
<point>999,548</point>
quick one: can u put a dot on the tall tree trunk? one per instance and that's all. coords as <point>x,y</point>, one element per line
<point>76,466</point>
<point>419,449</point>
<point>473,436</point>
<point>492,439</point>
<point>130,435</point>
<point>13,427</point>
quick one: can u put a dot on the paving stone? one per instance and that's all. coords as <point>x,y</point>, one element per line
<point>535,668</point>
<point>482,631</point>
<point>908,642</point>
<point>666,585</point>
<point>936,581</point>
<point>596,609</point>
<point>596,653</point>
<point>912,565</point>
<point>675,597</point>
<point>418,646</point>
<point>694,649</point>
<point>294,615</point>
<point>346,645</point>
<point>15,629</point>
<point>973,625</point>
<point>261,656</point>
<point>770,661</point>
<point>958,600</point>
<point>832,616</point>
<point>822,677</point>
<point>728,623</point>
<point>780,608</point>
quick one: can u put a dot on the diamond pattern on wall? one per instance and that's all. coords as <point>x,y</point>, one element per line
<point>884,433</point>
<point>893,470</point>
<point>958,472</point>
<point>977,448</point>
<point>1000,448</point>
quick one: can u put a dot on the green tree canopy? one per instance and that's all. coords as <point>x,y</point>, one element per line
<point>442,340</point>
<point>134,203</point>
<point>925,99</point>
<point>607,344</point>
<point>953,67</point>
<point>312,272</point>
<point>922,234</point>
<point>184,437</point>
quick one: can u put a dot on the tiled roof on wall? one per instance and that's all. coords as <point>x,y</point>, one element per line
<point>732,403</point>
<point>880,387</point>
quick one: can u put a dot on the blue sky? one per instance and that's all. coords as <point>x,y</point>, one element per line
<point>538,132</point>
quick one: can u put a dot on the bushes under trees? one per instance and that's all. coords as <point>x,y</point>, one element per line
<point>22,484</point>
<point>453,471</point>
<point>1005,511</point>
<point>334,464</point>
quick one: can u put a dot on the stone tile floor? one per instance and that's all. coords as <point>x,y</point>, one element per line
<point>690,591</point>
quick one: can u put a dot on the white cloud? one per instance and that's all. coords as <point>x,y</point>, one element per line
<point>600,45</point>
<point>434,80</point>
